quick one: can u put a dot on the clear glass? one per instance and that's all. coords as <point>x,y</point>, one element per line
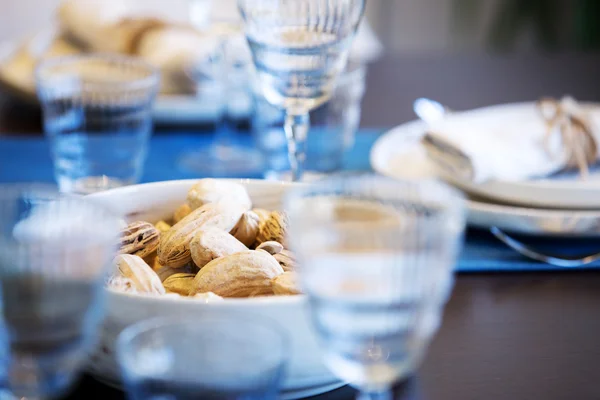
<point>299,48</point>
<point>376,258</point>
<point>333,128</point>
<point>217,357</point>
<point>97,113</point>
<point>223,76</point>
<point>55,251</point>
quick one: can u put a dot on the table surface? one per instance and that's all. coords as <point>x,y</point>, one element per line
<point>504,336</point>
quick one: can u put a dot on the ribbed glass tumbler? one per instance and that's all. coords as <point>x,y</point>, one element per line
<point>376,260</point>
<point>98,119</point>
<point>55,251</point>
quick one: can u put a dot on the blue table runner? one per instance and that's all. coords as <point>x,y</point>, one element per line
<point>28,159</point>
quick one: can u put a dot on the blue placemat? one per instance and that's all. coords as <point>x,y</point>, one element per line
<point>28,159</point>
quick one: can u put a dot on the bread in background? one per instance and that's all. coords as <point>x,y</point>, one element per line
<point>19,68</point>
<point>104,26</point>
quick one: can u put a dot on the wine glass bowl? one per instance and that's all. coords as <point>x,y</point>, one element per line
<point>299,48</point>
<point>376,259</point>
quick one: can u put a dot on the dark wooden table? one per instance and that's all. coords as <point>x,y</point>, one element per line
<point>505,336</point>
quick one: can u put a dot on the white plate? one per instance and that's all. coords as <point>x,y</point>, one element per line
<point>564,190</point>
<point>168,108</point>
<point>399,154</point>
<point>313,391</point>
<point>290,394</point>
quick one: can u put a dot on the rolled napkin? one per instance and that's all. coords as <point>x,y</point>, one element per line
<point>516,142</point>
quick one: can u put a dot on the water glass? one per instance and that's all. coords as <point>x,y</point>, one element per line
<point>221,77</point>
<point>333,128</point>
<point>54,254</point>
<point>97,113</point>
<point>376,258</point>
<point>217,357</point>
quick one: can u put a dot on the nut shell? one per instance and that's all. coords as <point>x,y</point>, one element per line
<point>174,247</point>
<point>181,212</point>
<point>121,284</point>
<point>142,277</point>
<point>162,226</point>
<point>271,247</point>
<point>212,191</point>
<point>247,228</point>
<point>287,260</point>
<point>263,215</point>
<point>165,272</point>
<point>273,229</point>
<point>139,238</point>
<point>244,274</point>
<point>286,284</point>
<point>180,283</point>
<point>212,243</point>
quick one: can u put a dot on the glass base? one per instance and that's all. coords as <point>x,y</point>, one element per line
<point>89,184</point>
<point>223,161</point>
<point>286,176</point>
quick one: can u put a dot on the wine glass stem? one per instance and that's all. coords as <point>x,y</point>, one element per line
<point>378,395</point>
<point>296,130</point>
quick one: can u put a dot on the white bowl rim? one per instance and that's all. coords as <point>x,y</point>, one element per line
<point>230,301</point>
<point>132,188</point>
<point>250,301</point>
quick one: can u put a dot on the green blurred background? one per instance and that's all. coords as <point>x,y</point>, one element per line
<point>487,25</point>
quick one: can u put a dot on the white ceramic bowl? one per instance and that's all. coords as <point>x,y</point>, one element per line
<point>306,375</point>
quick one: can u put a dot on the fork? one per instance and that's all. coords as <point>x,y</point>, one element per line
<point>559,261</point>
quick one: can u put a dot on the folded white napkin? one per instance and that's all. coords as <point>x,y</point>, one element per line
<point>499,143</point>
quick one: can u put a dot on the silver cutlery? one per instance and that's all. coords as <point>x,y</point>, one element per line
<point>559,261</point>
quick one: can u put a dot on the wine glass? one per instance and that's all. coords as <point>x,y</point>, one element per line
<point>54,250</point>
<point>299,48</point>
<point>333,128</point>
<point>375,258</point>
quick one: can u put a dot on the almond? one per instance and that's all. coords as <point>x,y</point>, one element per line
<point>174,247</point>
<point>244,274</point>
<point>212,243</point>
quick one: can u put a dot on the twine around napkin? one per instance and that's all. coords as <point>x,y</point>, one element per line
<point>567,118</point>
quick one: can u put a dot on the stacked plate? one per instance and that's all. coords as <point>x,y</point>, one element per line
<point>560,205</point>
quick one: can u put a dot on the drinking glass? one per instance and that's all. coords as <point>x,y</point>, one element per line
<point>54,254</point>
<point>222,76</point>
<point>333,128</point>
<point>376,258</point>
<point>98,119</point>
<point>299,47</point>
<point>216,357</point>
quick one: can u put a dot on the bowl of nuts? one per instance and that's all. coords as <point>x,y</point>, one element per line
<point>199,247</point>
